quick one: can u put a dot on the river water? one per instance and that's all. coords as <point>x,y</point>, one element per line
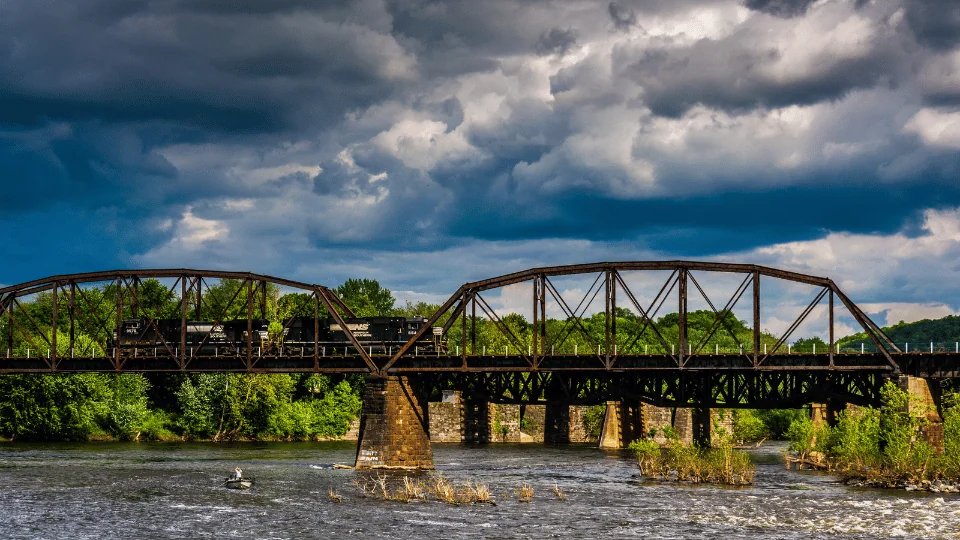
<point>114,490</point>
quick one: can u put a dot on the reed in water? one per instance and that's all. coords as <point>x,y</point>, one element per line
<point>683,462</point>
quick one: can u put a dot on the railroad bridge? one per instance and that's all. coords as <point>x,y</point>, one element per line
<point>558,364</point>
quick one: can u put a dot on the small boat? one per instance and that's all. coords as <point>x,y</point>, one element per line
<point>243,483</point>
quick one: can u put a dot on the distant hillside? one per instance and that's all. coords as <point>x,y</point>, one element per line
<point>940,331</point>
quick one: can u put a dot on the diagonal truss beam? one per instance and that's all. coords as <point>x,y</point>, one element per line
<point>647,319</point>
<point>783,339</point>
<point>721,316</point>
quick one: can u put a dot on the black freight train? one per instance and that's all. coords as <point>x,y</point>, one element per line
<point>377,335</point>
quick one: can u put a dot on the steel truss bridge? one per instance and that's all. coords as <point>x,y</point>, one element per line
<point>542,366</point>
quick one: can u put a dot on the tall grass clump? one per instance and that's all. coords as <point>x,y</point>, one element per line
<point>682,462</point>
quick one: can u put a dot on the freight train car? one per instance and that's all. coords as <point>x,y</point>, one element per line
<point>378,335</point>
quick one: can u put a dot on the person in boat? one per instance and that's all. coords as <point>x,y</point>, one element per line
<point>237,474</point>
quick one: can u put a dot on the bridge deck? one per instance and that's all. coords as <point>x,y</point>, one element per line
<point>935,365</point>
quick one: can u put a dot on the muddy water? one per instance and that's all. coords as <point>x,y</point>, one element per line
<point>103,491</point>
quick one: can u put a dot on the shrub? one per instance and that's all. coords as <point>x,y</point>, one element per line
<point>648,454</point>
<point>748,426</point>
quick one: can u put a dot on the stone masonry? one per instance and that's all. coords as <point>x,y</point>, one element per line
<point>456,419</point>
<point>446,419</point>
<point>393,426</point>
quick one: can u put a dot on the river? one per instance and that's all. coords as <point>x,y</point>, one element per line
<point>116,490</point>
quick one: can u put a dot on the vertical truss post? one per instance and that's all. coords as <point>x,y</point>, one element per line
<point>116,328</point>
<point>10,323</point>
<point>263,299</point>
<point>249,323</point>
<point>535,334</point>
<point>543,314</point>
<point>53,329</point>
<point>463,328</point>
<point>756,318</point>
<point>72,312</point>
<point>135,304</point>
<point>608,285</point>
<point>184,300</point>
<point>198,311</point>
<point>613,310</point>
<point>316,332</point>
<point>831,328</point>
<point>682,312</point>
<point>473,324</point>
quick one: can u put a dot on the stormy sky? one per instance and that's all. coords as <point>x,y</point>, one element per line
<point>426,143</point>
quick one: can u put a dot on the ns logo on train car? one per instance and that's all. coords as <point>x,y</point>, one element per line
<point>360,330</point>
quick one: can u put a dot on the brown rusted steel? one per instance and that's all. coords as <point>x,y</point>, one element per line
<point>53,330</point>
<point>572,315</point>
<point>647,320</point>
<point>796,323</point>
<point>463,329</point>
<point>184,300</point>
<point>575,315</point>
<point>45,284</point>
<point>682,316</point>
<point>219,319</point>
<point>316,330</point>
<point>325,295</point>
<point>574,269</point>
<point>191,283</point>
<point>831,328</point>
<point>870,328</point>
<point>504,329</point>
<point>721,316</point>
<point>756,318</point>
<point>249,284</point>
<point>426,326</point>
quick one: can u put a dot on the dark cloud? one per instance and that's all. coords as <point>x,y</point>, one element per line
<point>780,8</point>
<point>623,17</point>
<point>740,72</point>
<point>556,41</point>
<point>129,130</point>
<point>935,23</point>
<point>223,69</point>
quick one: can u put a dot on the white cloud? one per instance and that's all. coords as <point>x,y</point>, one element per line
<point>936,127</point>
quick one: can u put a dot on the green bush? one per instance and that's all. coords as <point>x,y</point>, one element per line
<point>885,443</point>
<point>593,419</point>
<point>647,452</point>
<point>748,426</point>
<point>158,425</point>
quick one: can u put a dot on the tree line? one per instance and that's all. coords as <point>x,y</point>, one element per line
<point>291,406</point>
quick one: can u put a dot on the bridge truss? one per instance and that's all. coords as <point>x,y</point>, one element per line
<point>557,358</point>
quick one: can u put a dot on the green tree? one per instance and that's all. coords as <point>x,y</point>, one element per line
<point>366,297</point>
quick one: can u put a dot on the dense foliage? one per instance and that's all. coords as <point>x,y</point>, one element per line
<point>944,333</point>
<point>885,443</point>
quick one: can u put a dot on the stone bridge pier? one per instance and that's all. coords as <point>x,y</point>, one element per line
<point>393,426</point>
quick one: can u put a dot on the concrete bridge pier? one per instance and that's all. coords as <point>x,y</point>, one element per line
<point>925,400</point>
<point>393,426</point>
<point>826,413</point>
<point>622,424</point>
